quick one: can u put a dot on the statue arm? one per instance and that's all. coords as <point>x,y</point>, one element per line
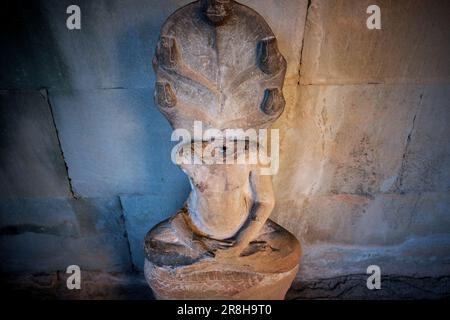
<point>263,203</point>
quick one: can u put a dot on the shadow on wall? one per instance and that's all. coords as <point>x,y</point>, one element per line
<point>30,55</point>
<point>99,120</point>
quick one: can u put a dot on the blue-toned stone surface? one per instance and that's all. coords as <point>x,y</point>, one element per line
<point>115,142</point>
<point>50,234</point>
<point>144,212</point>
<point>113,48</point>
<point>31,164</point>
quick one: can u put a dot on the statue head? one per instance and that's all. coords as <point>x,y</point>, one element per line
<point>217,11</point>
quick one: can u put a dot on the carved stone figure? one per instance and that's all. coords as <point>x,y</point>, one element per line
<point>217,61</point>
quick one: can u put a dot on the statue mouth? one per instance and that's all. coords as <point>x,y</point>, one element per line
<point>216,13</point>
<point>216,18</point>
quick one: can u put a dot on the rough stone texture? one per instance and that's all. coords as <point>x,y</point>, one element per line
<point>121,286</point>
<point>383,219</point>
<point>426,160</point>
<point>30,58</point>
<point>354,287</point>
<point>110,51</point>
<point>94,286</point>
<point>354,162</point>
<point>342,136</point>
<point>31,164</point>
<point>411,47</point>
<point>51,234</point>
<point>115,143</point>
<point>143,212</point>
<point>417,257</point>
<point>364,152</point>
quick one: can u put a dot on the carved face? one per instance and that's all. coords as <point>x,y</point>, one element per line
<point>217,11</point>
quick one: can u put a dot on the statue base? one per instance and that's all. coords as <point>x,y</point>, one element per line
<point>177,268</point>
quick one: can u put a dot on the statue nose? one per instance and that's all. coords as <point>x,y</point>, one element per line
<point>216,8</point>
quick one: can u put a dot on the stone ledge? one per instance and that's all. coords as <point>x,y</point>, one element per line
<point>132,286</point>
<point>354,287</point>
<point>94,286</point>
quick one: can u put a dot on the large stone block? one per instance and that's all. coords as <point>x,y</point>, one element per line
<point>366,139</point>
<point>115,142</point>
<point>426,163</point>
<point>143,212</point>
<point>50,234</point>
<point>417,257</point>
<point>354,287</point>
<point>45,215</point>
<point>411,47</point>
<point>384,219</point>
<point>30,57</point>
<point>394,218</point>
<point>112,48</point>
<point>31,163</point>
<point>348,139</point>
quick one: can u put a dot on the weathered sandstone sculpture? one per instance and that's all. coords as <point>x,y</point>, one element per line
<point>217,62</point>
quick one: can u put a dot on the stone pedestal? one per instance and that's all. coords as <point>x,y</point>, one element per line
<point>264,271</point>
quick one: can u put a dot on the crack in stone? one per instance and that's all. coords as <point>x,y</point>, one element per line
<point>399,183</point>
<point>354,286</point>
<point>45,94</point>
<point>303,42</point>
<point>134,268</point>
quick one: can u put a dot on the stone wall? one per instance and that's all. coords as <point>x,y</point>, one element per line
<point>85,164</point>
<point>82,142</point>
<point>365,153</point>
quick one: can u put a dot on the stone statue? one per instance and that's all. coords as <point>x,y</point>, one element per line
<point>217,61</point>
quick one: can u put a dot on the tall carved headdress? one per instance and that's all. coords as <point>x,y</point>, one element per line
<point>218,61</point>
